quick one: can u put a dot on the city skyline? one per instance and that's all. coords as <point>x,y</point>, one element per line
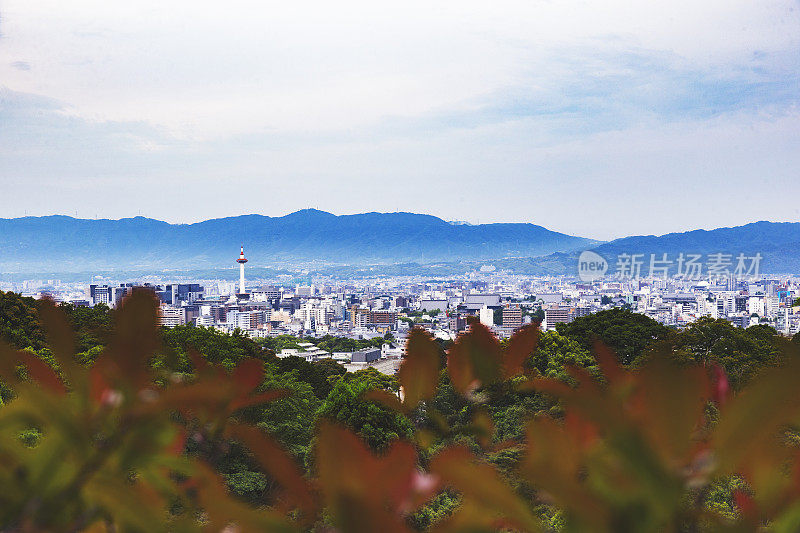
<point>640,119</point>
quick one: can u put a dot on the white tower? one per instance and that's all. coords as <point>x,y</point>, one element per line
<point>241,262</point>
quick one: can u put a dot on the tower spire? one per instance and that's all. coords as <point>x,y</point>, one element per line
<point>242,260</point>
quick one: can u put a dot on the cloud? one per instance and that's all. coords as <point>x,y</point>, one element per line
<point>202,70</point>
<point>514,110</point>
<point>47,140</point>
<point>599,90</point>
<point>21,65</point>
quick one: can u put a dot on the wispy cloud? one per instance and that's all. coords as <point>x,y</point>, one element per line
<point>352,106</point>
<point>602,91</point>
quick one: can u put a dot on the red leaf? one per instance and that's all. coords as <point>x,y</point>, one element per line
<point>721,389</point>
<point>59,335</point>
<point>42,373</point>
<point>475,359</point>
<point>520,347</point>
<point>278,463</point>
<point>419,373</point>
<point>608,362</point>
<point>249,374</point>
<point>747,506</point>
<point>135,337</point>
<point>179,443</point>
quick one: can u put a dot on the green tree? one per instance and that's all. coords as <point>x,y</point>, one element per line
<point>291,418</point>
<point>216,346</point>
<point>628,334</point>
<point>19,321</point>
<point>373,379</point>
<point>320,375</point>
<point>741,352</point>
<point>279,343</point>
<point>92,325</point>
<point>497,317</point>
<point>554,351</point>
<point>378,425</point>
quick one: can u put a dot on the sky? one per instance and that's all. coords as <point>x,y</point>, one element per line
<point>594,118</point>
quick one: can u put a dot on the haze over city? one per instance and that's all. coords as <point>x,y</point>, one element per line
<point>639,118</point>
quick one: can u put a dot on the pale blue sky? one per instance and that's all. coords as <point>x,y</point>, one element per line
<point>600,119</point>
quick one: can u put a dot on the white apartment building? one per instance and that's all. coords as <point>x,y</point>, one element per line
<point>170,316</point>
<point>486,316</point>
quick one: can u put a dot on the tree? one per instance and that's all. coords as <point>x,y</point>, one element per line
<point>290,418</point>
<point>19,321</point>
<point>110,456</point>
<point>495,441</point>
<point>554,351</point>
<point>378,425</point>
<point>741,352</point>
<point>628,334</point>
<point>92,325</point>
<point>216,346</point>
<point>320,375</point>
<point>373,379</point>
<point>279,343</point>
<point>345,344</point>
<point>20,325</point>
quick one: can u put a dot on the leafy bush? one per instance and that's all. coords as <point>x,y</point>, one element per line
<point>125,441</point>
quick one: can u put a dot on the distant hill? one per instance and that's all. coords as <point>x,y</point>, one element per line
<point>777,242</point>
<point>65,244</point>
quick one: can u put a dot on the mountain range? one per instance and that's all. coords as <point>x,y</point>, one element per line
<point>61,243</point>
<point>318,240</point>
<point>778,244</point>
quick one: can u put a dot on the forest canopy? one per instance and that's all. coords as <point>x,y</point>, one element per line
<point>609,423</point>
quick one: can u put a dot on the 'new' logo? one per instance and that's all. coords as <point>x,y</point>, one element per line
<point>591,266</point>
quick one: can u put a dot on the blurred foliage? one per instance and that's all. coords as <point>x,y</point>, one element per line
<point>614,423</point>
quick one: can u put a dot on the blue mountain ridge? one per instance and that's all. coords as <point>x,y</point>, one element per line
<point>777,242</point>
<point>311,237</point>
<point>60,243</point>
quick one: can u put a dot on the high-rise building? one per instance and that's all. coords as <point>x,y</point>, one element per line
<point>457,323</point>
<point>99,294</point>
<point>305,290</point>
<point>486,316</point>
<point>170,316</point>
<point>382,316</point>
<point>512,316</point>
<point>555,314</point>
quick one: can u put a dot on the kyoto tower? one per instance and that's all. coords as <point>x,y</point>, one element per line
<point>241,262</point>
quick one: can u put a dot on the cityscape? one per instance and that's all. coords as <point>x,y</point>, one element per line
<point>389,307</point>
<point>399,267</point>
